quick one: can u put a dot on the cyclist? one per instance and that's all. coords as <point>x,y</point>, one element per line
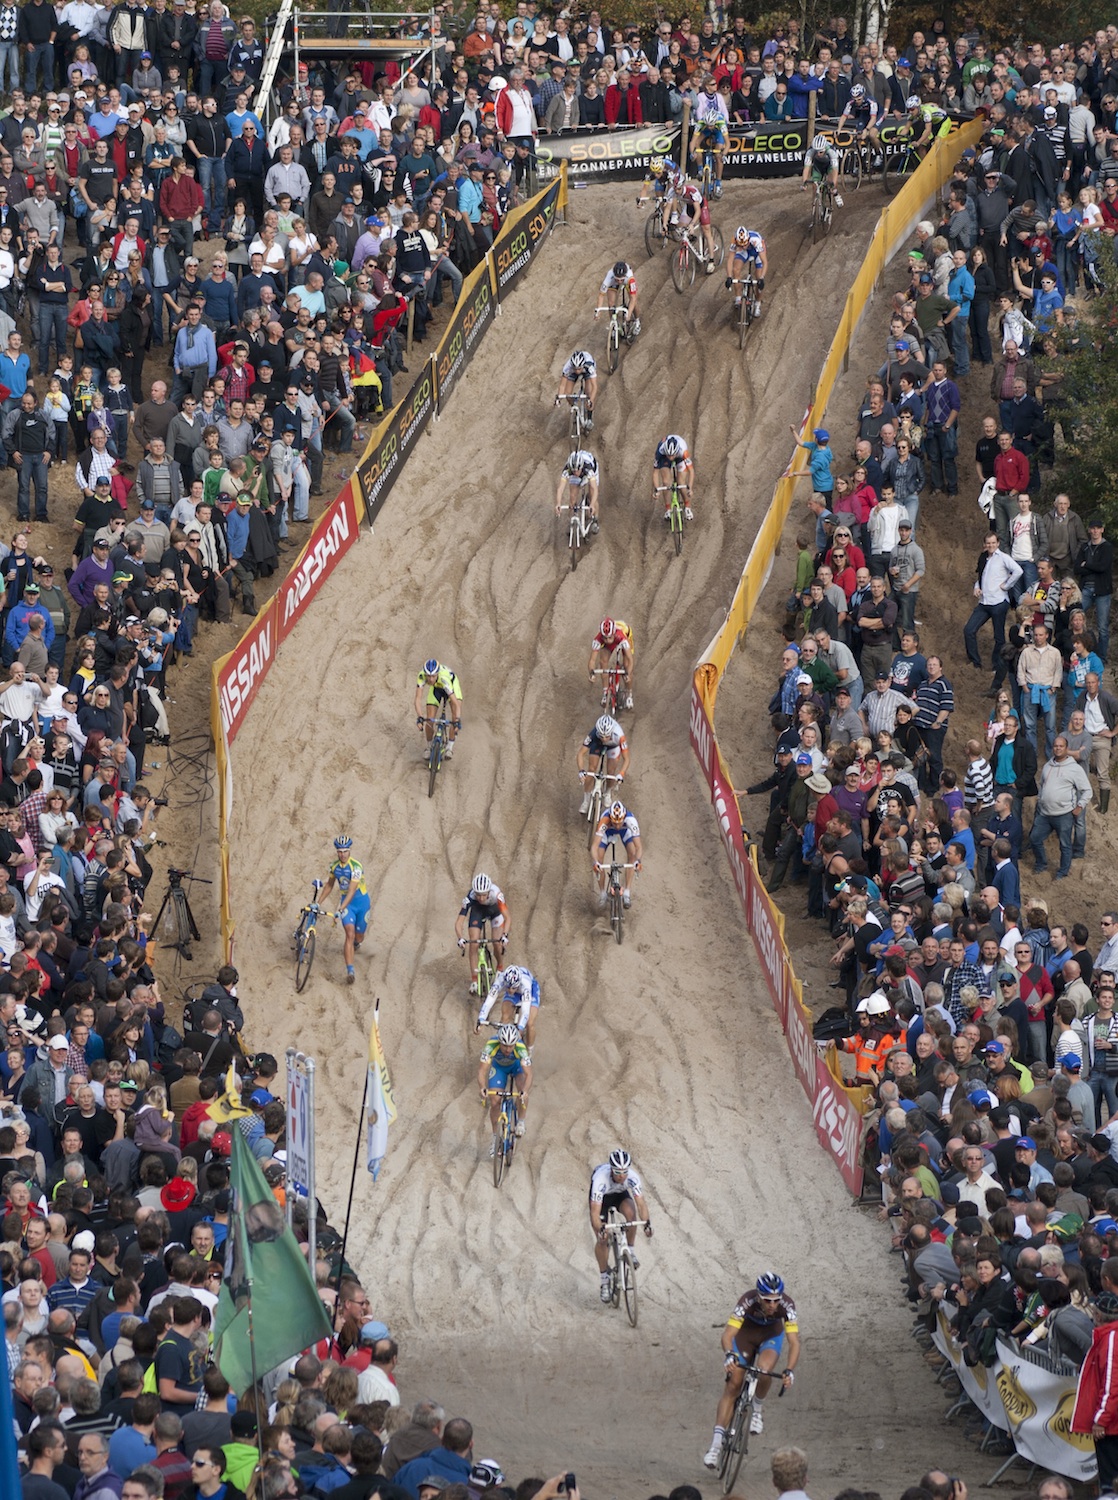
<point>749,252</point>
<point>693,209</point>
<point>620,277</point>
<point>617,822</point>
<point>755,1334</point>
<point>927,119</point>
<point>484,902</point>
<point>821,164</point>
<point>613,636</point>
<point>503,1057</point>
<point>580,367</point>
<point>663,181</point>
<point>615,1185</point>
<point>712,121</point>
<point>519,989</point>
<point>580,472</point>
<point>672,453</point>
<point>861,111</point>
<point>605,745</point>
<point>353,910</point>
<point>437,690</point>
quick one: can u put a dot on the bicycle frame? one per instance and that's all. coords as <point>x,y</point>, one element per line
<point>602,780</point>
<point>505,1135</point>
<point>614,675</point>
<point>576,401</point>
<point>622,1272</point>
<point>578,527</point>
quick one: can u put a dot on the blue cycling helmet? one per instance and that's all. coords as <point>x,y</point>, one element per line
<point>343,843</point>
<point>769,1284</point>
<point>513,977</point>
<point>430,667</point>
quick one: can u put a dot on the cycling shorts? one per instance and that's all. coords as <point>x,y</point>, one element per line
<point>500,1073</point>
<point>750,255</point>
<point>614,1200</point>
<point>437,694</point>
<point>750,1348</point>
<point>356,913</point>
<point>623,835</point>
<point>712,132</point>
<point>697,213</point>
<point>477,914</point>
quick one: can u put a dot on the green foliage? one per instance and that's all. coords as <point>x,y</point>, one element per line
<point>1086,358</point>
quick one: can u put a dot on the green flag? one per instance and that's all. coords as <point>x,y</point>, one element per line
<point>264,1267</point>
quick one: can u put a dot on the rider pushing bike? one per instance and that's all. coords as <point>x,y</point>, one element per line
<point>438,694</point>
<point>484,902</point>
<point>754,1335</point>
<point>353,911</point>
<point>614,1185</point>
<point>613,636</point>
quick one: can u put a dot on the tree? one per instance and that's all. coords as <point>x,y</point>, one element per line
<point>1084,356</point>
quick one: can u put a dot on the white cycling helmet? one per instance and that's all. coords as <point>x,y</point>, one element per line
<point>820,143</point>
<point>673,447</point>
<point>741,235</point>
<point>508,1036</point>
<point>580,462</point>
<point>620,1160</point>
<point>912,102</point>
<point>513,977</point>
<point>582,360</point>
<point>858,91</point>
<point>607,728</point>
<point>617,811</point>
<point>482,885</point>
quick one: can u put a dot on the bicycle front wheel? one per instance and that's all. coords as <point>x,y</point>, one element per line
<point>717,248</point>
<point>897,168</point>
<point>616,912</point>
<point>304,958</point>
<point>655,234</point>
<point>434,763</point>
<point>615,1274</point>
<point>614,346</point>
<point>736,1446</point>
<point>594,814</point>
<point>576,423</point>
<point>629,1282</point>
<point>484,970</point>
<point>499,1151</point>
<point>574,541</point>
<point>850,169</point>
<point>683,267</point>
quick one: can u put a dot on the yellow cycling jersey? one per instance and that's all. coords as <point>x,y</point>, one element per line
<point>519,1054</point>
<point>445,684</point>
<point>346,873</point>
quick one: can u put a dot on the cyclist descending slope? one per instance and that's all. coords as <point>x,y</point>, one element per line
<point>755,1330</point>
<point>821,164</point>
<point>861,111</point>
<point>438,692</point>
<point>673,450</point>
<point>712,122</point>
<point>503,1057</point>
<point>691,209</point>
<point>664,180</point>
<point>353,910</point>
<point>617,822</point>
<point>520,988</point>
<point>749,252</point>
<point>620,275</point>
<point>613,636</point>
<point>483,902</point>
<point>605,747</point>
<point>580,472</point>
<point>581,366</point>
<point>615,1185</point>
<point>925,121</point>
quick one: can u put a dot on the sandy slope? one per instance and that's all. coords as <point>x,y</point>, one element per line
<point>667,1043</point>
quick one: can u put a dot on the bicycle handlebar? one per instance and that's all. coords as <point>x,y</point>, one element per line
<point>612,866</point>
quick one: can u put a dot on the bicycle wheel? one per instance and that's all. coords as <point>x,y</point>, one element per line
<point>736,1445</point>
<point>708,174</point>
<point>435,761</point>
<point>629,1281</point>
<point>576,423</point>
<point>484,969</point>
<point>677,522</point>
<point>683,267</point>
<point>828,210</point>
<point>595,813</point>
<point>743,319</point>
<point>616,911</point>
<point>816,218</point>
<point>614,1273</point>
<point>850,169</point>
<point>718,249</point>
<point>614,345</point>
<point>499,1136</point>
<point>304,958</point>
<point>655,235</point>
<point>612,697</point>
<point>574,540</point>
<point>897,168</point>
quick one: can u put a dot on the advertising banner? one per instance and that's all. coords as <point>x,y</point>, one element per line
<point>245,668</point>
<point>334,534</point>
<point>394,439</point>
<point>1038,1401</point>
<point>472,316</point>
<point>979,1383</point>
<point>521,235</point>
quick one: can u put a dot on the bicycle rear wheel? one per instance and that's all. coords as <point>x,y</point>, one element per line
<point>435,762</point>
<point>499,1150</point>
<point>304,957</point>
<point>655,235</point>
<point>616,912</point>
<point>850,169</point>
<point>683,266</point>
<point>629,1282</point>
<point>743,319</point>
<point>677,522</point>
<point>484,969</point>
<point>614,345</point>
<point>736,1445</point>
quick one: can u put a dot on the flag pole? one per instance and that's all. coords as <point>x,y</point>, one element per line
<point>353,1177</point>
<point>255,1380</point>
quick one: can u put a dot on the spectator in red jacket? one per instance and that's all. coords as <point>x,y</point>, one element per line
<point>1011,478</point>
<point>180,198</point>
<point>623,101</point>
<point>1096,1397</point>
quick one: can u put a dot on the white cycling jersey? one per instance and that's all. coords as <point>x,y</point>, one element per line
<point>831,154</point>
<point>602,1184</point>
<point>612,283</point>
<point>589,373</point>
<point>580,467</point>
<point>523,995</point>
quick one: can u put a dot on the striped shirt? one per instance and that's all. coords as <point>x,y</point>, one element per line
<point>933,699</point>
<point>880,710</point>
<point>978,789</point>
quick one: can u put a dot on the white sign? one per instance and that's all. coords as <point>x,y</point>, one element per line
<point>300,1124</point>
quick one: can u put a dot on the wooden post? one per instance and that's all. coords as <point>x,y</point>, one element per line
<point>812,100</point>
<point>411,321</point>
<point>684,133</point>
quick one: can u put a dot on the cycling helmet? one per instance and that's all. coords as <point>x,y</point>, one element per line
<point>620,1160</point>
<point>617,810</point>
<point>580,462</point>
<point>769,1284</point>
<point>513,976</point>
<point>657,166</point>
<point>482,885</point>
<point>430,667</point>
<point>607,627</point>
<point>820,143</point>
<point>343,843</point>
<point>508,1036</point>
<point>912,102</point>
<point>581,361</point>
<point>606,727</point>
<point>673,447</point>
<point>620,268</point>
<point>741,235</point>
<point>858,91</point>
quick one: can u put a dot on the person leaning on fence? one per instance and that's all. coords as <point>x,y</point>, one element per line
<point>1096,1396</point>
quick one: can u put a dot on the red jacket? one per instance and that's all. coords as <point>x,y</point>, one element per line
<point>614,103</point>
<point>182,199</point>
<point>1096,1396</point>
<point>1011,471</point>
<point>141,245</point>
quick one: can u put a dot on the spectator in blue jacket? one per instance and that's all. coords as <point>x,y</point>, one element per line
<point>451,1461</point>
<point>780,105</point>
<point>220,295</point>
<point>960,288</point>
<point>15,632</point>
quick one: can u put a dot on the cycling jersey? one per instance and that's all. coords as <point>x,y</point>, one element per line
<point>613,283</point>
<point>751,1320</point>
<point>481,909</point>
<point>664,460</point>
<point>590,373</point>
<point>504,1065</point>
<point>584,461</point>
<point>621,633</point>
<point>525,996</point>
<point>824,162</point>
<point>345,873</point>
<point>693,204</point>
<point>934,117</point>
<point>445,685</point>
<point>860,114</point>
<point>602,1184</point>
<point>752,250</point>
<point>627,830</point>
<point>612,748</point>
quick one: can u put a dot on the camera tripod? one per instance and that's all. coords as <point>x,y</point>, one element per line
<point>186,928</point>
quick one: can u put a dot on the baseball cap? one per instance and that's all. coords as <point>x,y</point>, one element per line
<point>996,1047</point>
<point>821,435</point>
<point>60,1044</point>
<point>31,588</point>
<point>842,688</point>
<point>1026,1143</point>
<point>904,525</point>
<point>925,279</point>
<point>1072,1062</point>
<point>902,344</point>
<point>1049,112</point>
<point>145,56</point>
<point>101,479</point>
<point>803,677</point>
<point>1100,1142</point>
<point>132,620</point>
<point>882,676</point>
<point>147,504</point>
<point>374,1330</point>
<point>260,1097</point>
<point>804,760</point>
<point>978,1097</point>
<point>242,1424</point>
<point>83,1241</point>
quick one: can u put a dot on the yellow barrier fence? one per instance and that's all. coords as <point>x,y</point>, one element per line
<point>836,1108</point>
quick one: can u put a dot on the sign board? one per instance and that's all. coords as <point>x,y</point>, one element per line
<point>300,1138</point>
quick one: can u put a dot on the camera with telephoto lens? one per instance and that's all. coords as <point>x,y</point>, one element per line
<point>161,801</point>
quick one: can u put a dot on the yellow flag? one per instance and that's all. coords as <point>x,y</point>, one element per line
<point>380,1105</point>
<point>228,1106</point>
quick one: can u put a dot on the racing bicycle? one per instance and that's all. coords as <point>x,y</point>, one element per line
<point>749,305</point>
<point>615,889</point>
<point>579,526</point>
<point>305,938</point>
<point>612,698</point>
<point>504,1137</point>
<point>735,1445</point>
<point>439,742</point>
<point>620,329</point>
<point>902,158</point>
<point>622,1268</point>
<point>656,230</point>
<point>822,210</point>
<point>707,179</point>
<point>598,797</point>
<point>688,256</point>
<point>676,512</point>
<point>576,402</point>
<point>486,967</point>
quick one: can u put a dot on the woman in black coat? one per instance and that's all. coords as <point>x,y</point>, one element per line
<point>135,339</point>
<point>985,290</point>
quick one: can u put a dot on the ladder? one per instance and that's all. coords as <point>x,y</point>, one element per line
<point>265,98</point>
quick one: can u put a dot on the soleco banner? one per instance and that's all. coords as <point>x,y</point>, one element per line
<point>1038,1401</point>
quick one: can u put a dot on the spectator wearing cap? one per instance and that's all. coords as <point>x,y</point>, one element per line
<point>146,77</point>
<point>369,243</point>
<point>1025,1154</point>
<point>18,623</point>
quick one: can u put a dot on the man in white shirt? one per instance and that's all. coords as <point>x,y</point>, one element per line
<point>996,573</point>
<point>375,1382</point>
<point>977,1181</point>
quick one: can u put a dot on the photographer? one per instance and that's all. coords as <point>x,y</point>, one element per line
<point>222,997</point>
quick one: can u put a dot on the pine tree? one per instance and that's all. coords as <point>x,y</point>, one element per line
<point>1085,358</point>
